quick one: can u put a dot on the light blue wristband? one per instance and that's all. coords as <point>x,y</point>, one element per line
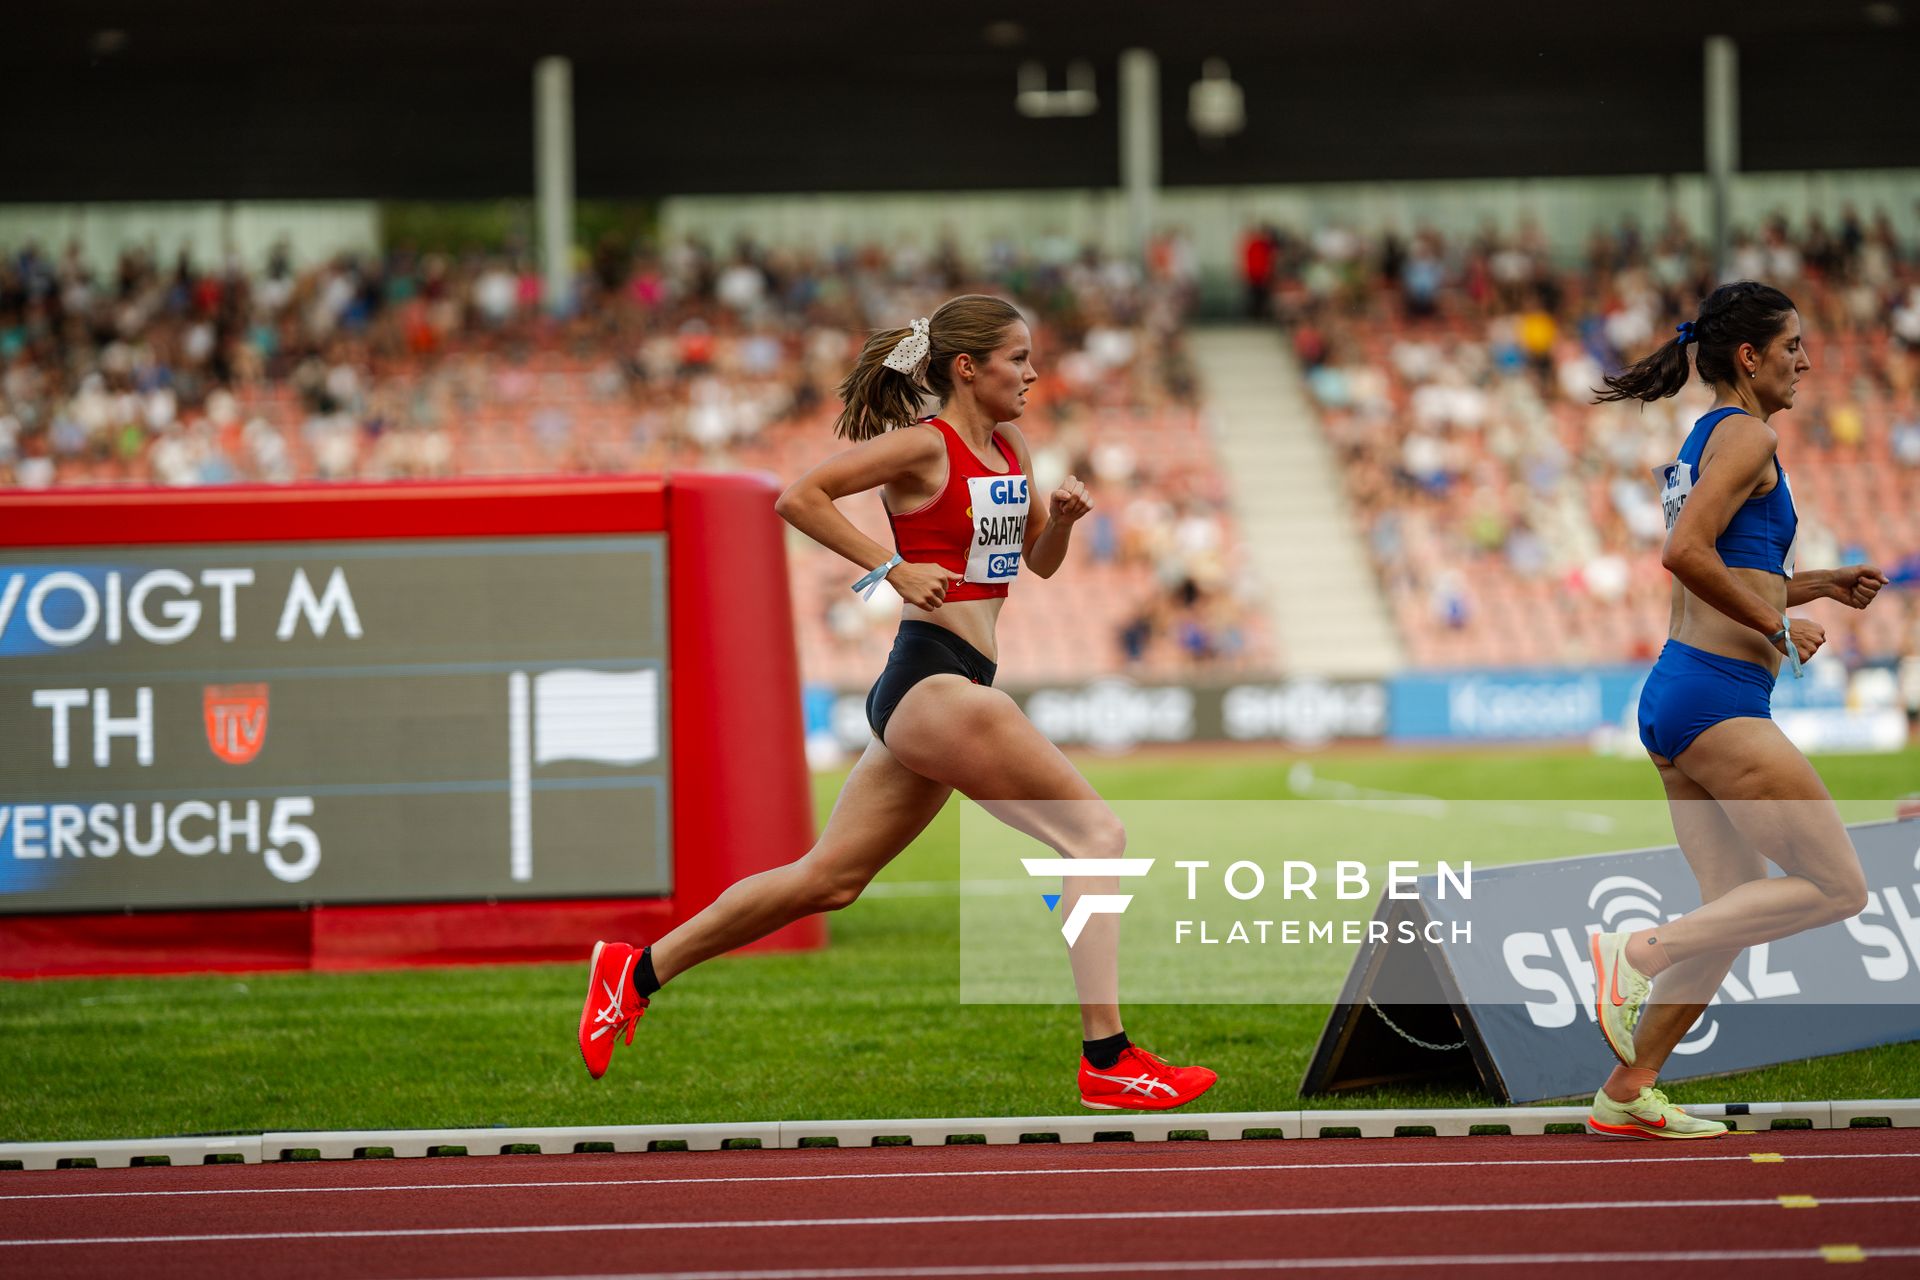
<point>865,587</point>
<point>1785,636</point>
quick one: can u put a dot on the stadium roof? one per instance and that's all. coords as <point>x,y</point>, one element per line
<point>412,31</point>
<point>431,99</point>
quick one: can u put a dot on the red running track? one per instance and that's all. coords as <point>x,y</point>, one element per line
<point>1419,1206</point>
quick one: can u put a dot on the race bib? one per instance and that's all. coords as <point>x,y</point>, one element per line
<point>999,516</point>
<point>1676,482</point>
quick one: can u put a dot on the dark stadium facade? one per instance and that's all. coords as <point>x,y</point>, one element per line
<point>212,99</point>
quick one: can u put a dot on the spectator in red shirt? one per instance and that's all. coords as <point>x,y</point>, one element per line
<point>1256,268</point>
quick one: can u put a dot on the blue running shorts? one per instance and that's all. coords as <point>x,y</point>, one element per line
<point>1690,690</point>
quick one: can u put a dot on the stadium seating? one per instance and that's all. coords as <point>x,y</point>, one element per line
<point>424,367</point>
<point>1512,520</point>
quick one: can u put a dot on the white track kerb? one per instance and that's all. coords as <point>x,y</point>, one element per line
<point>994,1131</point>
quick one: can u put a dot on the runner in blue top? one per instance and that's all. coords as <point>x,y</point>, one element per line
<point>1740,793</point>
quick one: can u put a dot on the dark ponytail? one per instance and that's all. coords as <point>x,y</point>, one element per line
<point>1654,377</point>
<point>1734,314</point>
<point>879,399</point>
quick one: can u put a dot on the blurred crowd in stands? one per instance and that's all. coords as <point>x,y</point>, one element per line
<point>414,364</point>
<point>1513,520</point>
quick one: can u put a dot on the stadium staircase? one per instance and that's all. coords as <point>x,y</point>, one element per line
<point>1328,614</point>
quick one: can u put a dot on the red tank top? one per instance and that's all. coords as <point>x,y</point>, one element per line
<point>975,526</point>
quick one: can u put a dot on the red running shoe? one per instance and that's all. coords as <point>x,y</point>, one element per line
<point>1141,1081</point>
<point>606,1013</point>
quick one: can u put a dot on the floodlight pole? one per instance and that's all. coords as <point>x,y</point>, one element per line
<point>1723,142</point>
<point>553,176</point>
<point>1139,142</point>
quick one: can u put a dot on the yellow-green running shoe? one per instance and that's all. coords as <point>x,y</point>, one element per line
<point>1648,1116</point>
<point>1619,993</point>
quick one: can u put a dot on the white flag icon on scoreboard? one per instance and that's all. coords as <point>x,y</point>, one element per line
<point>604,717</point>
<point>611,717</point>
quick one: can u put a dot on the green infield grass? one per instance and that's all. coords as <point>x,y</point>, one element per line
<point>871,1027</point>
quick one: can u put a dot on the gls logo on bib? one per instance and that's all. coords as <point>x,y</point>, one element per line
<point>999,514</point>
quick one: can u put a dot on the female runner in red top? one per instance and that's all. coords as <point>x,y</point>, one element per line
<point>955,489</point>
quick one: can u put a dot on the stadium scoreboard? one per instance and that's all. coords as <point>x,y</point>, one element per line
<point>341,722</point>
<point>394,697</point>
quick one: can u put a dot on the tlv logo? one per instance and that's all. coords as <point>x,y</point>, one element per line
<point>1007,492</point>
<point>236,717</point>
<point>1087,905</point>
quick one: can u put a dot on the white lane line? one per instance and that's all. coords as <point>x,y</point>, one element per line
<point>956,1220</point>
<point>1585,1161</point>
<point>912,889</point>
<point>1160,1266</point>
<point>1302,780</point>
<point>947,889</point>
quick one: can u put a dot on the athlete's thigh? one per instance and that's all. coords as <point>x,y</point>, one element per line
<point>1748,758</point>
<point>880,810</point>
<point>1718,854</point>
<point>1772,796</point>
<point>976,740</point>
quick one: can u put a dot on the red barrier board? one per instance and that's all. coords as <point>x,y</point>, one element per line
<point>731,791</point>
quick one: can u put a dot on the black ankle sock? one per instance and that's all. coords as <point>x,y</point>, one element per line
<point>644,983</point>
<point>1102,1054</point>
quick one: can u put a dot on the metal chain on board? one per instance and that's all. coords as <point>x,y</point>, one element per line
<point>1411,1039</point>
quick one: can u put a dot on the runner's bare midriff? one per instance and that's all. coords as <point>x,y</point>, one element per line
<point>1705,627</point>
<point>971,620</point>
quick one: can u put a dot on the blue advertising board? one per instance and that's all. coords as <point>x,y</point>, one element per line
<point>1552,702</point>
<point>1504,706</point>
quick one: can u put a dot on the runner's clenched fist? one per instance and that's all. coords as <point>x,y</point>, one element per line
<point>1070,501</point>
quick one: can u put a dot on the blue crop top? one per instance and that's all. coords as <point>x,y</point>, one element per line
<point>1761,533</point>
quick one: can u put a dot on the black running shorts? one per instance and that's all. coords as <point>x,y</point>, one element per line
<point>920,650</point>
